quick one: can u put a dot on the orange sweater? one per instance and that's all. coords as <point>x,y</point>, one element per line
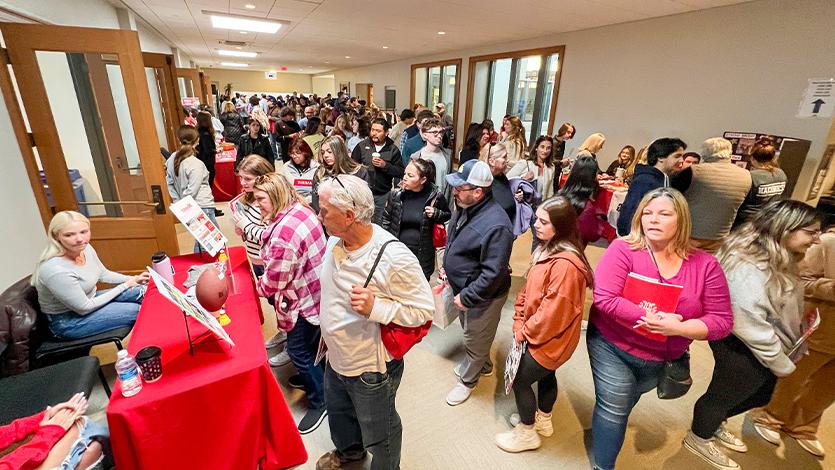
<point>549,308</point>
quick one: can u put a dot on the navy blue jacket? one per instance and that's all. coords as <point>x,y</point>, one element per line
<point>645,179</point>
<point>479,240</point>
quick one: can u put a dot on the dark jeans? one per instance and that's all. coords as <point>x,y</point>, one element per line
<point>302,344</point>
<point>619,381</point>
<point>740,383</point>
<point>531,372</point>
<point>362,415</point>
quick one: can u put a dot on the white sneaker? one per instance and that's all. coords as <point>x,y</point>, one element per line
<point>520,439</point>
<point>543,424</point>
<point>812,446</point>
<point>458,394</point>
<point>457,371</point>
<point>767,433</point>
<point>729,439</point>
<point>280,359</point>
<point>277,340</point>
<point>707,450</point>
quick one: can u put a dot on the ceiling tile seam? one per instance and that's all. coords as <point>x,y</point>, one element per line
<point>209,49</point>
<point>179,43</point>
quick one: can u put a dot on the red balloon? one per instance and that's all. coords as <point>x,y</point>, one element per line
<point>211,290</point>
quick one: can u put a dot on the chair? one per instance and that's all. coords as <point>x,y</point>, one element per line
<point>32,345</point>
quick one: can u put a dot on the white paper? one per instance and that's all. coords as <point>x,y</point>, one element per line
<point>189,213</point>
<point>511,365</point>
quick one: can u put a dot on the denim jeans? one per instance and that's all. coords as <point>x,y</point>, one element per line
<point>619,381</point>
<point>302,344</point>
<point>362,415</point>
<point>117,313</point>
<point>210,213</point>
<point>89,429</point>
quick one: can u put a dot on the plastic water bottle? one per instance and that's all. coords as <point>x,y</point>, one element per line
<point>128,373</point>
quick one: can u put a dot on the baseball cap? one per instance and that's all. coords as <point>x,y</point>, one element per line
<point>474,172</point>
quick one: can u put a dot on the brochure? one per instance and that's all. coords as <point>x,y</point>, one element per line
<point>189,213</point>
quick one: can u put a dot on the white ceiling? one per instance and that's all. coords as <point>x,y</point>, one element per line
<point>322,32</point>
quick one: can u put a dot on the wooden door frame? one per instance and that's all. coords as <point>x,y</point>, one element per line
<point>165,62</point>
<point>560,50</point>
<point>206,88</point>
<point>194,76</point>
<point>29,38</point>
<point>458,63</point>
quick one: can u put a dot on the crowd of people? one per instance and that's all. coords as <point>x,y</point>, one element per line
<point>340,218</point>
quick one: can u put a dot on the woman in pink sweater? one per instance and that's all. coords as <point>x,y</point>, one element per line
<point>625,359</point>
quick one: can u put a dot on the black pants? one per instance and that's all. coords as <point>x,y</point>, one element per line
<point>740,383</point>
<point>530,372</point>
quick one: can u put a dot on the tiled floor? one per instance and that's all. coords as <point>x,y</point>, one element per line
<point>437,436</point>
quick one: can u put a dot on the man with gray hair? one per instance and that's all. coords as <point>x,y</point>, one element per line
<point>714,189</point>
<point>479,241</point>
<point>361,377</point>
<point>309,112</point>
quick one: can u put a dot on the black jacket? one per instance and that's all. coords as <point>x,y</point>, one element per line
<point>479,240</point>
<point>283,130</point>
<point>503,196</point>
<point>249,146</point>
<point>393,214</point>
<point>206,151</point>
<point>379,179</point>
<point>645,179</point>
<point>233,127</point>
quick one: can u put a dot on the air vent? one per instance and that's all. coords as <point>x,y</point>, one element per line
<point>234,43</point>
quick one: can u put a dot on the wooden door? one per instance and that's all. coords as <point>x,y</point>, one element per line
<point>165,97</point>
<point>188,83</point>
<point>86,98</point>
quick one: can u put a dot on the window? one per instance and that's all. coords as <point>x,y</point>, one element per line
<point>436,82</point>
<point>522,83</point>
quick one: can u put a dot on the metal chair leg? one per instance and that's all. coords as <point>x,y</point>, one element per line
<point>118,344</point>
<point>104,382</point>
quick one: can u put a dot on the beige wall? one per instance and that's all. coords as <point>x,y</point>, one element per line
<point>694,75</point>
<point>324,84</point>
<point>254,81</point>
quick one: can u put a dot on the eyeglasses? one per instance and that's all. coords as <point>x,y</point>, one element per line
<point>353,204</point>
<point>435,132</point>
<point>813,233</point>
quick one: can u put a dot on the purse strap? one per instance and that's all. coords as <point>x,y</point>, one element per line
<point>376,262</point>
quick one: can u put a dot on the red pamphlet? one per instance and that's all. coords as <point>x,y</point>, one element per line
<point>653,296</point>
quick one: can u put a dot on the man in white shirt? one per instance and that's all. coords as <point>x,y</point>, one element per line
<point>361,377</point>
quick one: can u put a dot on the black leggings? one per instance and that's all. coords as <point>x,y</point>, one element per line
<point>740,383</point>
<point>529,372</point>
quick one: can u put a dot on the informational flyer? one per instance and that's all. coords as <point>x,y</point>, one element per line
<point>189,306</point>
<point>189,213</point>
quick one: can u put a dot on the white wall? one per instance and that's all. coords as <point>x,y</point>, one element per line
<point>694,75</point>
<point>323,84</point>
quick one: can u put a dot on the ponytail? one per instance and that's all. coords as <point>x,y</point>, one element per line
<point>188,137</point>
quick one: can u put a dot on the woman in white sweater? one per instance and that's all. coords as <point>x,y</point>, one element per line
<point>187,175</point>
<point>66,278</point>
<point>760,260</point>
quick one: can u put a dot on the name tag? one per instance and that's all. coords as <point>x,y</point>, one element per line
<point>302,183</point>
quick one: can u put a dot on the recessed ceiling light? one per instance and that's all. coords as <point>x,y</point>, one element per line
<point>244,32</point>
<point>243,23</point>
<point>441,32</point>
<point>385,47</point>
<point>233,64</point>
<point>327,62</point>
<point>347,57</point>
<point>249,6</point>
<point>228,53</point>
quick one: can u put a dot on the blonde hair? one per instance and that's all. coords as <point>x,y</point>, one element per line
<point>593,143</point>
<point>228,107</point>
<point>637,239</point>
<point>716,149</point>
<point>255,165</point>
<point>761,240</point>
<point>54,248</point>
<point>282,195</point>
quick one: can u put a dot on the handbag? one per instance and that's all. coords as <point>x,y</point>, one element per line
<point>445,310</point>
<point>674,379</point>
<point>397,339</point>
<point>439,230</point>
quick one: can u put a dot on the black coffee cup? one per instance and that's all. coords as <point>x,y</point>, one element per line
<point>149,360</point>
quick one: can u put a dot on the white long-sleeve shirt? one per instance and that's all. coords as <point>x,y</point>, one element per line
<point>402,296</point>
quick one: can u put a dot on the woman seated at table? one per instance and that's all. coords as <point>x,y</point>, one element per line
<point>300,168</point>
<point>62,437</point>
<point>581,190</point>
<point>624,160</point>
<point>66,278</point>
<point>292,248</point>
<point>413,210</point>
<point>186,175</point>
<point>255,142</point>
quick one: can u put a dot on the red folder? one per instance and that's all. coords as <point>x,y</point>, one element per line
<point>653,296</point>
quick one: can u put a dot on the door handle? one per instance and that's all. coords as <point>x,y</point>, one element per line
<point>117,203</point>
<point>156,195</point>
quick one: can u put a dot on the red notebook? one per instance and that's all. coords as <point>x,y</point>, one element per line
<point>653,296</point>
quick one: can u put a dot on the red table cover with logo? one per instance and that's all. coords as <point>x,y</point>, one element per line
<point>218,409</point>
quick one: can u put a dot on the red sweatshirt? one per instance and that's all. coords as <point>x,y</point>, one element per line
<point>34,452</point>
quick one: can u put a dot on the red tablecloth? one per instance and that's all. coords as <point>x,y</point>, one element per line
<point>219,409</point>
<point>226,184</point>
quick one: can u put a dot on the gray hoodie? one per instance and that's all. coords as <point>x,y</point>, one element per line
<point>192,180</point>
<point>768,326</point>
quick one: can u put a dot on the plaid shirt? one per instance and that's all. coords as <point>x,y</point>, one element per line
<point>292,247</point>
